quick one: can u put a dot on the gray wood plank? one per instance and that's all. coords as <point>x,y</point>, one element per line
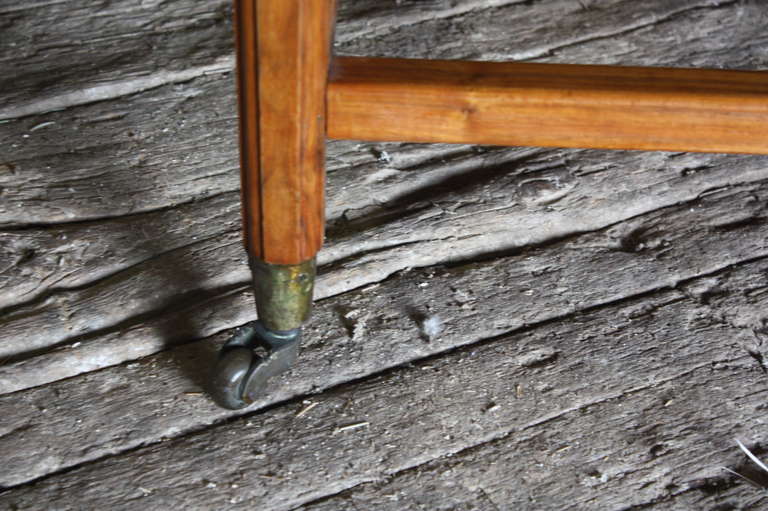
<point>623,405</point>
<point>653,32</point>
<point>363,332</point>
<point>470,212</point>
<point>661,444</point>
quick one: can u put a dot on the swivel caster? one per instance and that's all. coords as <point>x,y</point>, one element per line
<point>242,373</point>
<point>267,347</point>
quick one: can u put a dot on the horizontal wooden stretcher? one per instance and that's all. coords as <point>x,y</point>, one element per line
<point>558,105</point>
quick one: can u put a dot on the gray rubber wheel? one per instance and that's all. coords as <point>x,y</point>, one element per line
<point>229,377</point>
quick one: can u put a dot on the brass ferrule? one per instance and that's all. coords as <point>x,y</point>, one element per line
<point>283,293</point>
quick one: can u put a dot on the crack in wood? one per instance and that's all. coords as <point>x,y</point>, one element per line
<point>538,54</point>
<point>114,90</point>
<point>426,14</point>
<point>504,436</point>
<point>457,351</point>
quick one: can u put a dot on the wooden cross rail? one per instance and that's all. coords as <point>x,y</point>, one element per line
<point>559,105</point>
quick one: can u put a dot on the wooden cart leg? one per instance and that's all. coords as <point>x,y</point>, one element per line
<point>283,56</point>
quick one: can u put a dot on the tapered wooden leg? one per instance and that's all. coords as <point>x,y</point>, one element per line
<point>283,56</point>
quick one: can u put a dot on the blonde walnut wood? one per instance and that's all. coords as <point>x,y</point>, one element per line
<point>283,54</point>
<point>556,105</point>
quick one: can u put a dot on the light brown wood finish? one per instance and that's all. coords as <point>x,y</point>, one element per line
<point>554,105</point>
<point>283,53</point>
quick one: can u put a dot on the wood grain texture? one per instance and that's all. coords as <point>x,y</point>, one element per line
<point>557,105</point>
<point>121,262</point>
<point>592,407</point>
<point>283,52</point>
<point>111,212</point>
<point>360,333</point>
<point>526,199</point>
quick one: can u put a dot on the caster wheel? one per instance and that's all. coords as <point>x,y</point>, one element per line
<point>241,375</point>
<point>229,377</point>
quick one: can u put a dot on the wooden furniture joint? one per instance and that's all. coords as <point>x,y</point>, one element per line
<point>293,94</point>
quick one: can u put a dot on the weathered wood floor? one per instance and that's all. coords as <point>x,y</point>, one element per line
<point>603,314</point>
